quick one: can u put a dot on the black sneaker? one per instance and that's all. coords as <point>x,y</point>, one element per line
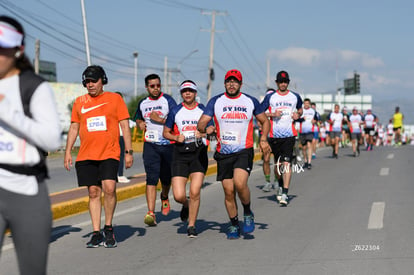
<point>110,241</point>
<point>184,213</point>
<point>191,232</point>
<point>309,166</point>
<point>96,240</point>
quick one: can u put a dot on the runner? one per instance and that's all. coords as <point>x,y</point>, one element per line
<point>150,117</point>
<point>190,153</point>
<point>284,107</point>
<point>233,113</point>
<point>397,120</point>
<point>345,129</point>
<point>354,123</point>
<point>390,133</point>
<point>370,121</point>
<point>266,162</point>
<point>96,117</point>
<point>29,128</point>
<point>307,123</point>
<point>335,119</point>
<point>316,131</point>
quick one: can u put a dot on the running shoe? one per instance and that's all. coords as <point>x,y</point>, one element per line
<point>96,240</point>
<point>279,193</point>
<point>267,186</point>
<point>355,154</point>
<point>309,166</point>
<point>284,200</point>
<point>150,219</point>
<point>233,232</point>
<point>184,214</point>
<point>191,232</point>
<point>110,241</point>
<point>313,156</point>
<point>165,206</point>
<point>358,151</point>
<point>305,165</point>
<point>248,225</point>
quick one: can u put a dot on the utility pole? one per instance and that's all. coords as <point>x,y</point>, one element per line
<point>211,59</point>
<point>37,56</point>
<point>85,31</point>
<point>135,54</point>
<point>268,73</point>
<point>166,73</point>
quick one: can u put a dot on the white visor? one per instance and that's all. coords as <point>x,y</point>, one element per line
<point>9,36</point>
<point>188,85</point>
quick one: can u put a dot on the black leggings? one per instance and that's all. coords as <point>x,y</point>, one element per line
<point>30,221</point>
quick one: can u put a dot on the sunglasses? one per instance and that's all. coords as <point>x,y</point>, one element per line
<point>283,81</point>
<point>152,86</point>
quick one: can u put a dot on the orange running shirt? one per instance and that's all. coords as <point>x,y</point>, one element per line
<point>98,119</point>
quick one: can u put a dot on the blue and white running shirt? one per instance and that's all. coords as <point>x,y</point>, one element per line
<point>233,118</point>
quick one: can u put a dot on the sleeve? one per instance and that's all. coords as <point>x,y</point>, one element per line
<point>138,113</point>
<point>258,109</point>
<point>209,110</point>
<point>265,102</point>
<point>43,129</point>
<point>202,107</point>
<point>299,103</point>
<point>171,118</point>
<point>122,108</point>
<point>171,102</point>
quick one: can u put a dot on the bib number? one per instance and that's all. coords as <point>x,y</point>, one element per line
<point>95,124</point>
<point>189,136</point>
<point>230,138</point>
<point>151,136</point>
<point>11,148</point>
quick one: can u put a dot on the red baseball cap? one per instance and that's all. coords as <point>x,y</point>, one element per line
<point>234,73</point>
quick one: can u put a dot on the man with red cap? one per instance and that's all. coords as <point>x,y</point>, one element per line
<point>233,113</point>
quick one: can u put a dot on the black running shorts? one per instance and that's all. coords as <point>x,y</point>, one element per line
<point>184,164</point>
<point>282,148</point>
<point>226,163</point>
<point>93,172</point>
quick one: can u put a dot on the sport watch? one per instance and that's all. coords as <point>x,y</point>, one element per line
<point>131,152</point>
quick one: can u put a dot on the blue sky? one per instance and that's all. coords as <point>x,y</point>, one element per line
<point>318,42</point>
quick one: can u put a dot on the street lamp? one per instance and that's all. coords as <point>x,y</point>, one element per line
<point>135,54</point>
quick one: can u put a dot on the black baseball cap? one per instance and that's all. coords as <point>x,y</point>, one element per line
<point>93,72</point>
<point>282,76</point>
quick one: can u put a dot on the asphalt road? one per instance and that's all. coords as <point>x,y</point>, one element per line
<point>346,216</point>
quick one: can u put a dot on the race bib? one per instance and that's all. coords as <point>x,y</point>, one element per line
<point>152,136</point>
<point>286,113</point>
<point>230,137</point>
<point>95,124</point>
<point>355,125</point>
<point>11,148</point>
<point>189,136</point>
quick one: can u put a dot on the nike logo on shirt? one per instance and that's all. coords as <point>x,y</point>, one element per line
<point>85,110</point>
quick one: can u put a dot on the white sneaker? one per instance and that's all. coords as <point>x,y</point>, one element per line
<point>284,200</point>
<point>123,179</point>
<point>279,193</point>
<point>267,187</point>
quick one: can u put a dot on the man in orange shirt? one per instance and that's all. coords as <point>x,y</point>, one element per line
<point>95,117</point>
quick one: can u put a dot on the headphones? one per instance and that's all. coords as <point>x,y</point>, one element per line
<point>94,70</point>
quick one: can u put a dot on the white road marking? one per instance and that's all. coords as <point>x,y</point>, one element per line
<point>384,171</point>
<point>376,217</point>
<point>390,156</point>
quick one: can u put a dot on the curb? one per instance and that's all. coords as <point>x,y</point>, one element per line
<point>81,205</point>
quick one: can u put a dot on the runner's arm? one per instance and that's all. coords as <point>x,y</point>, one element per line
<point>129,158</point>
<point>72,135</point>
